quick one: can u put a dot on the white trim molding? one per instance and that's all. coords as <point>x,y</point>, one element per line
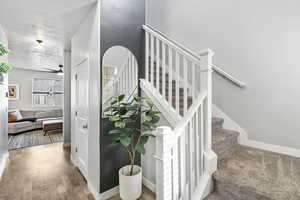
<point>151,186</point>
<point>110,193</point>
<point>3,163</point>
<point>93,190</point>
<point>66,144</point>
<point>274,148</point>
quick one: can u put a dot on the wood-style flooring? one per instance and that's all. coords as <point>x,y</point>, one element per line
<point>46,173</point>
<point>42,173</point>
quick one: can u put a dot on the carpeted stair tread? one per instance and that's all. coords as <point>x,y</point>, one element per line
<point>214,196</point>
<point>246,173</point>
<point>224,140</point>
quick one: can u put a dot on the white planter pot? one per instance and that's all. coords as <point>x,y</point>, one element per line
<point>130,186</point>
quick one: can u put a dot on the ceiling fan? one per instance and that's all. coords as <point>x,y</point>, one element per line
<point>58,72</point>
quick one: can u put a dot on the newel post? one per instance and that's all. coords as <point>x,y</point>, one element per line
<point>163,163</point>
<point>210,158</point>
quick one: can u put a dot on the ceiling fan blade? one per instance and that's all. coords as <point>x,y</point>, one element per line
<point>51,70</point>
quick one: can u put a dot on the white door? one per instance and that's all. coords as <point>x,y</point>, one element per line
<point>81,116</point>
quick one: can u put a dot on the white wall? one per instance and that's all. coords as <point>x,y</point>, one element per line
<point>86,43</point>
<point>24,79</point>
<point>258,41</point>
<point>3,112</point>
<point>67,98</point>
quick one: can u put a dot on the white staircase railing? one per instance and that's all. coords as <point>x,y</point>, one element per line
<point>125,82</point>
<point>185,160</point>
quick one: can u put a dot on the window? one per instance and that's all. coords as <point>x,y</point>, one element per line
<point>47,92</point>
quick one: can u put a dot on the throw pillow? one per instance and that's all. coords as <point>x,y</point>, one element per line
<point>12,117</point>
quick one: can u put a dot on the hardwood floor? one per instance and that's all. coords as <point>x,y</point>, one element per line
<point>46,173</point>
<point>42,173</point>
<point>147,195</point>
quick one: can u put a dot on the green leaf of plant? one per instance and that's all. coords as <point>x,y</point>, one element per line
<point>125,141</point>
<point>144,139</point>
<point>120,124</point>
<point>147,118</point>
<point>114,118</point>
<point>121,97</point>
<point>115,131</point>
<point>140,148</point>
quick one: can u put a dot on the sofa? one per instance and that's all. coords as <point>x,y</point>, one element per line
<point>32,119</point>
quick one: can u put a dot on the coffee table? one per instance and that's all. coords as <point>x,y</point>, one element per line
<point>52,125</point>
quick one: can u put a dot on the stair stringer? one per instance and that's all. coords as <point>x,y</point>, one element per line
<point>210,158</point>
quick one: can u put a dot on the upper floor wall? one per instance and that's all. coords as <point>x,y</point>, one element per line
<point>257,41</point>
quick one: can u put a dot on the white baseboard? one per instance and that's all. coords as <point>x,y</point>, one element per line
<point>3,163</point>
<point>110,193</point>
<point>73,159</point>
<point>67,144</point>
<point>274,148</point>
<point>244,140</point>
<point>94,191</point>
<point>149,184</point>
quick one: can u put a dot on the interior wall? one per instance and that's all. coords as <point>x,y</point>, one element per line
<point>24,79</point>
<point>257,41</point>
<point>67,98</point>
<point>120,25</point>
<point>3,112</point>
<point>86,43</point>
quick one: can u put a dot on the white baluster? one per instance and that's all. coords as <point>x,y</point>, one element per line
<point>157,64</point>
<point>177,81</point>
<point>175,175</point>
<point>164,142</point>
<point>201,140</point>
<point>170,76</point>
<point>147,57</point>
<point>182,161</point>
<point>152,59</point>
<point>185,86</point>
<point>163,70</point>
<point>194,88</point>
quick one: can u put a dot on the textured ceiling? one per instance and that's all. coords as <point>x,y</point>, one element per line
<point>53,21</point>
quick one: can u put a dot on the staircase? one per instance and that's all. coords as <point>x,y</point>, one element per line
<point>185,162</point>
<point>179,84</point>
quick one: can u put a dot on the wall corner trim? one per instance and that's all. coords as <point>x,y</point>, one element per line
<point>151,186</point>
<point>3,163</point>
<point>93,190</point>
<point>108,194</point>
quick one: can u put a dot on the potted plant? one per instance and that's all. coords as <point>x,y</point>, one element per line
<point>133,123</point>
<point>4,67</point>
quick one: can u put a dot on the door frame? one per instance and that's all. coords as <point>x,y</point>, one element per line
<point>73,155</point>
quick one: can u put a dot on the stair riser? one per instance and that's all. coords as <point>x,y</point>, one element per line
<point>225,145</point>
<point>217,126</point>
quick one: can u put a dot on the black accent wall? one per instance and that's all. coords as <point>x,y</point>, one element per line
<point>120,25</point>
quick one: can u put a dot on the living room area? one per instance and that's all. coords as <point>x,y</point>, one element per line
<point>35,106</point>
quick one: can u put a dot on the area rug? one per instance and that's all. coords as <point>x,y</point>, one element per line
<point>33,138</point>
